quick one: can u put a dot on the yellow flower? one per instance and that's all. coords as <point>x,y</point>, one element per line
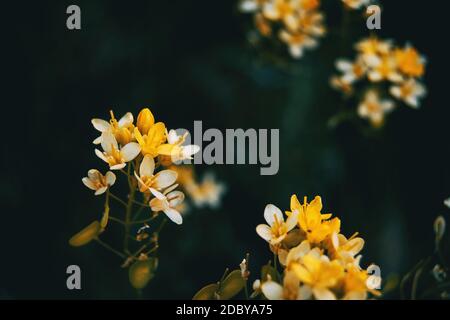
<point>168,204</point>
<point>152,139</point>
<point>154,183</point>
<point>145,120</point>
<point>409,92</point>
<point>355,284</point>
<point>316,225</point>
<point>297,42</point>
<point>122,129</point>
<point>175,149</point>
<point>320,274</point>
<point>115,157</point>
<point>410,62</point>
<point>385,69</point>
<point>372,48</point>
<point>99,182</point>
<point>373,108</point>
<point>345,250</point>
<point>277,228</point>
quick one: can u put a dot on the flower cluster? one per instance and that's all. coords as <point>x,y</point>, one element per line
<point>317,260</point>
<point>297,23</point>
<point>146,153</point>
<point>383,67</point>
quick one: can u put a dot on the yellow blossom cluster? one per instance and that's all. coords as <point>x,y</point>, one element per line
<point>318,261</point>
<point>297,23</point>
<point>381,64</point>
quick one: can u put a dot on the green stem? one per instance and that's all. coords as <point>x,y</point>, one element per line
<point>107,246</point>
<point>117,220</point>
<point>118,199</point>
<point>129,208</point>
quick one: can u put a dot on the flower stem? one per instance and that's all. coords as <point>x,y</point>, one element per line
<point>107,246</point>
<point>118,199</point>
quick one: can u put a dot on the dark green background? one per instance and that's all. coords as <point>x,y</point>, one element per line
<point>189,60</point>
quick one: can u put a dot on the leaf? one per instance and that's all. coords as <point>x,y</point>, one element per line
<point>141,272</point>
<point>207,293</point>
<point>86,235</point>
<point>232,285</point>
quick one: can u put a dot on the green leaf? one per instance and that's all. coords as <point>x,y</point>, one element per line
<point>232,285</point>
<point>206,293</point>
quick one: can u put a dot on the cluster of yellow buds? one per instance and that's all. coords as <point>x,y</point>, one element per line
<point>318,262</point>
<point>378,64</point>
<point>297,23</point>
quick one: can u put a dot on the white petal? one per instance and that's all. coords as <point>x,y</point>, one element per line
<point>272,290</point>
<point>304,293</point>
<point>292,220</point>
<point>248,6</point>
<point>101,125</point>
<point>126,120</point>
<point>158,204</point>
<point>344,65</point>
<point>100,191</point>
<point>172,137</point>
<point>296,51</point>
<point>157,194</point>
<point>174,215</point>
<point>147,167</point>
<point>175,198</point>
<point>94,175</point>
<point>108,142</point>
<point>130,151</point>
<point>264,231</point>
<point>118,166</point>
<point>165,178</point>
<point>97,140</point>
<point>88,183</point>
<point>190,150</point>
<point>270,212</point>
<point>323,294</point>
<point>110,178</point>
<point>101,155</point>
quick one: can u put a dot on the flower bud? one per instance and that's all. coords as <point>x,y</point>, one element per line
<point>145,120</point>
<point>439,228</point>
<point>86,235</point>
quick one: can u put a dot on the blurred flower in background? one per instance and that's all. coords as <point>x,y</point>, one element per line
<point>381,73</point>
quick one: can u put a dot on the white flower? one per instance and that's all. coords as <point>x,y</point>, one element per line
<point>154,183</point>
<point>115,126</point>
<point>209,192</point>
<point>168,204</point>
<point>277,228</point>
<point>409,91</point>
<point>175,149</point>
<point>351,71</point>
<point>373,108</point>
<point>115,157</point>
<point>99,182</point>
